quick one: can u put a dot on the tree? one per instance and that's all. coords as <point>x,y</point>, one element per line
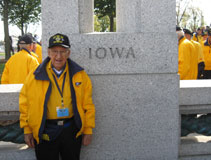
<point>181,9</point>
<point>106,8</point>
<point>24,12</point>
<point>188,16</point>
<point>19,13</point>
<point>4,9</point>
<point>101,24</point>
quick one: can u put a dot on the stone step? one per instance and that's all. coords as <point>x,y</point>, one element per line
<point>11,151</point>
<point>205,157</point>
<point>195,147</point>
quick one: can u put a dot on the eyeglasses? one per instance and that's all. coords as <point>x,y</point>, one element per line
<point>56,52</point>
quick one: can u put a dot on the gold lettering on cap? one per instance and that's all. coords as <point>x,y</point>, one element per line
<point>58,39</point>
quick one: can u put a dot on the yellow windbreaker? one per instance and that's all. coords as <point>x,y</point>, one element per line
<point>187,60</point>
<point>198,38</point>
<point>18,67</point>
<point>199,49</point>
<point>36,92</point>
<point>38,51</point>
<point>207,55</point>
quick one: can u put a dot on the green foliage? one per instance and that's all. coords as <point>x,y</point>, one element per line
<point>1,69</point>
<point>97,27</point>
<point>101,24</point>
<point>103,8</point>
<point>24,12</point>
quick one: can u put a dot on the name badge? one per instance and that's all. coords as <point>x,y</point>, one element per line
<point>62,112</point>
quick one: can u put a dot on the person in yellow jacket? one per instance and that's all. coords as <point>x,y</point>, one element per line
<point>204,35</point>
<point>38,51</point>
<point>20,64</point>
<point>198,36</point>
<point>199,51</point>
<point>207,57</point>
<point>56,108</point>
<point>187,63</point>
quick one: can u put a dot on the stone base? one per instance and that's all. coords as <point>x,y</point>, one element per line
<point>195,147</point>
<point>11,151</point>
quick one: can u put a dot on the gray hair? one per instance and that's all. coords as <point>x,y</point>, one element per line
<point>27,46</point>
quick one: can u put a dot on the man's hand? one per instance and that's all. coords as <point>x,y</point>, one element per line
<point>28,138</point>
<point>87,138</point>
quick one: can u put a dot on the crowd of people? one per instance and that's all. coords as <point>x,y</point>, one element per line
<point>194,53</point>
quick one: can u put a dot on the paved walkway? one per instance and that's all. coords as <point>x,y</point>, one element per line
<point>11,151</point>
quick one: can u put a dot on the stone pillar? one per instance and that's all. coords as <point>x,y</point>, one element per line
<point>145,16</point>
<point>66,16</point>
<point>86,13</point>
<point>134,75</point>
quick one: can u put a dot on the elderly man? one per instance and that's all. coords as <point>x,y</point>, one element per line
<point>199,53</point>
<point>56,108</point>
<point>187,61</point>
<point>19,65</point>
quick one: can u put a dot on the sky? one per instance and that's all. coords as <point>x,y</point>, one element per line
<point>15,31</point>
<point>204,5</point>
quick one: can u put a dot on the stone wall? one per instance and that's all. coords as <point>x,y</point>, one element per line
<point>135,85</point>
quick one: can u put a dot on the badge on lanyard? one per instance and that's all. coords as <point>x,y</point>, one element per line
<point>62,112</point>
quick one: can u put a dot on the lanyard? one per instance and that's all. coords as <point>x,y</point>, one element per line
<point>61,92</point>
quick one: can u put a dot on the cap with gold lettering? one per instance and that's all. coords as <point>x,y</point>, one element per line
<point>59,40</point>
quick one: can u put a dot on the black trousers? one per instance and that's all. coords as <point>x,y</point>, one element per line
<point>207,74</point>
<point>67,146</point>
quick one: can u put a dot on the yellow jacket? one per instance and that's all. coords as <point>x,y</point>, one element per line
<point>38,51</point>
<point>35,56</point>
<point>187,60</point>
<point>18,67</point>
<point>198,38</point>
<point>54,99</point>
<point>207,55</point>
<point>199,49</point>
<point>35,94</point>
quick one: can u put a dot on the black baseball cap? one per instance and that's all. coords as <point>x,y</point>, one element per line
<point>59,40</point>
<point>25,39</point>
<point>187,31</point>
<point>178,28</point>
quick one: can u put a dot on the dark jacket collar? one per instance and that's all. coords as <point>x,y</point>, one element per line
<point>41,74</point>
<point>26,50</point>
<point>206,43</point>
<point>181,38</point>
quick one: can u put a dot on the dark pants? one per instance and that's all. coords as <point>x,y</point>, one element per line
<point>207,74</point>
<point>200,70</point>
<point>66,145</point>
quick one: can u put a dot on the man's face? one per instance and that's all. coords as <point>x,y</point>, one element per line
<point>34,47</point>
<point>58,56</point>
<point>199,32</point>
<point>188,36</point>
